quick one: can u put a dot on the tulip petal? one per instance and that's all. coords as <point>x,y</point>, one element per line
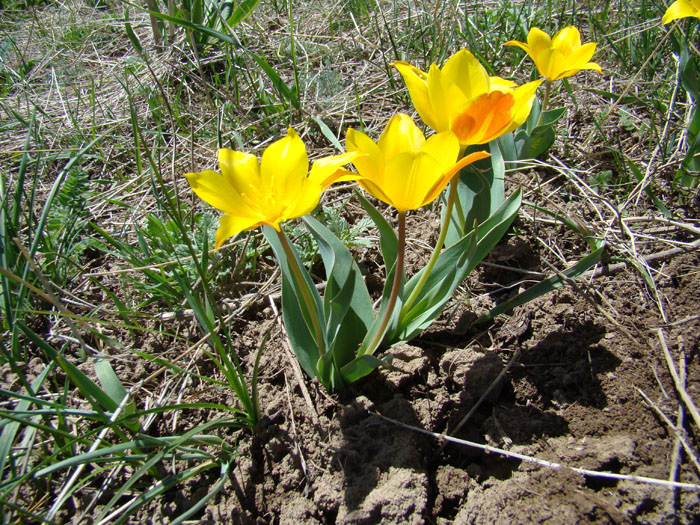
<point>537,41</point>
<point>417,84</point>
<point>230,225</point>
<point>484,119</point>
<point>521,45</point>
<point>304,201</point>
<point>408,178</point>
<point>464,71</point>
<point>284,165</point>
<point>523,97</point>
<point>680,9</point>
<point>444,148</point>
<point>567,39</point>
<point>370,165</point>
<point>501,84</point>
<point>216,190</point>
<point>439,98</point>
<point>327,170</point>
<point>242,170</point>
<point>581,57</point>
<point>400,135</point>
<point>452,172</point>
<point>375,189</point>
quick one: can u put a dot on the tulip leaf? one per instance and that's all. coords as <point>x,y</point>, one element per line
<point>479,194</point>
<point>388,242</point>
<point>447,274</point>
<point>689,70</point>
<point>114,389</point>
<point>187,24</point>
<point>327,373</point>
<point>453,266</point>
<point>545,286</point>
<point>534,145</point>
<point>538,119</point>
<point>297,319</point>
<point>393,321</point>
<point>197,14</point>
<point>362,366</point>
<point>388,245</point>
<point>347,305</point>
<point>536,136</point>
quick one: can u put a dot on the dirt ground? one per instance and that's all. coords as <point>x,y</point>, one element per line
<point>586,386</point>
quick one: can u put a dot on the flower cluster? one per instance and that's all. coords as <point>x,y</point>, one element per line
<point>335,337</point>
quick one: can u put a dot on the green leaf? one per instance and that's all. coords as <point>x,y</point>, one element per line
<point>328,133</point>
<point>362,366</point>
<point>689,70</point>
<point>132,36</point>
<point>347,304</point>
<point>9,431</point>
<point>114,389</point>
<point>534,145</point>
<point>242,11</point>
<point>479,194</point>
<point>199,28</point>
<point>197,15</point>
<point>94,394</point>
<point>453,266</point>
<point>545,286</point>
<point>450,270</point>
<point>296,318</point>
<point>283,89</point>
<point>388,242</point>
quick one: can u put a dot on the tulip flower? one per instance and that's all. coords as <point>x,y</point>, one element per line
<point>461,97</point>
<point>403,169</point>
<point>558,57</point>
<point>278,188</point>
<point>406,171</point>
<point>681,9</point>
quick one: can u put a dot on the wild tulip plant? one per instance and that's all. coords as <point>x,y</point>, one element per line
<point>338,337</point>
<point>689,78</point>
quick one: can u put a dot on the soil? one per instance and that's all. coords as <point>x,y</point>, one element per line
<point>581,361</point>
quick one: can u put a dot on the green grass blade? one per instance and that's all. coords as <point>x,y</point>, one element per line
<point>545,286</point>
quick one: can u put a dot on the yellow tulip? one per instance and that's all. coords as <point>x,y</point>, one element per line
<point>681,9</point>
<point>278,188</point>
<point>403,169</point>
<point>560,56</point>
<point>461,97</point>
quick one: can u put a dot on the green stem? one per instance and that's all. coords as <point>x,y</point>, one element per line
<point>398,276</point>
<point>545,102</point>
<point>303,286</point>
<point>438,247</point>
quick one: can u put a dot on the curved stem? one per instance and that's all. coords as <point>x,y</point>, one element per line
<point>306,295</point>
<point>396,285</point>
<point>438,247</point>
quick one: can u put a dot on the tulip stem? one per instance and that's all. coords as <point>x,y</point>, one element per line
<point>398,277</point>
<point>452,195</point>
<point>545,102</point>
<point>303,286</point>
